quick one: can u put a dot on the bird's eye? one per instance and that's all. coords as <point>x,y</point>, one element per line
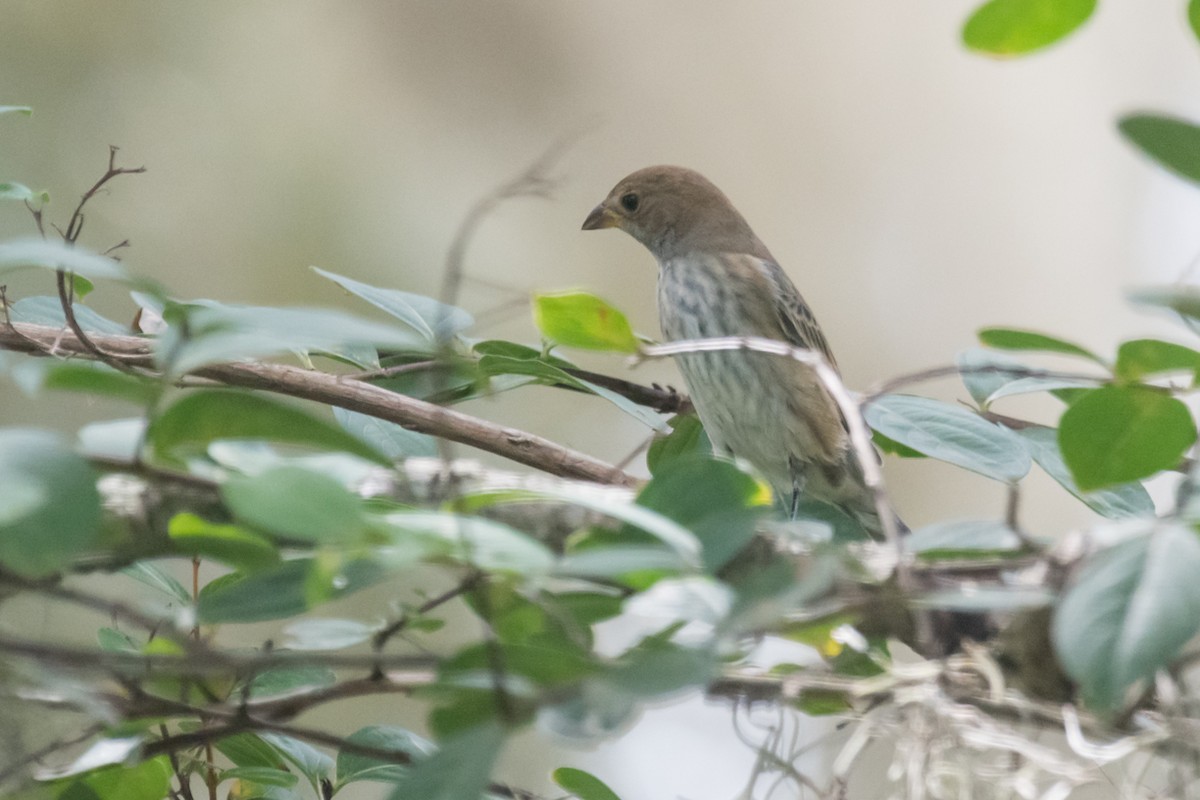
<point>629,202</point>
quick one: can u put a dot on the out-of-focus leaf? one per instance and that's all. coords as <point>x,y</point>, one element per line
<point>219,333</point>
<point>157,578</point>
<point>352,767</point>
<point>950,433</point>
<point>26,110</point>
<point>979,599</point>
<point>117,439</point>
<point>1016,27</point>
<point>17,191</point>
<point>1138,358</point>
<point>1193,12</point>
<point>201,417</point>
<point>1173,143</point>
<point>87,377</point>
<point>394,441</point>
<point>288,680</point>
<point>580,319</point>
<point>51,254</point>
<point>1013,339</point>
<point>484,543</point>
<point>1180,298</point>
<point>428,317</point>
<point>49,505</point>
<point>311,762</point>
<point>687,439</point>
<point>281,592</point>
<point>248,750</point>
<point>296,503</point>
<point>148,780</point>
<point>1115,502</point>
<point>1118,434</point>
<point>1129,613</point>
<point>963,535</point>
<point>45,310</point>
<point>459,770</point>
<point>262,776</point>
<point>327,634</point>
<point>583,785</point>
<point>229,544</point>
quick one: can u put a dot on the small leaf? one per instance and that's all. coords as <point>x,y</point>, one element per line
<point>296,503</point>
<point>1138,358</point>
<point>281,592</point>
<point>984,371</point>
<point>1129,613</point>
<point>583,785</point>
<point>149,780</point>
<point>1193,14</point>
<point>327,634</point>
<point>262,776</point>
<point>1116,502</point>
<point>352,767</point>
<point>1013,339</point>
<point>87,377</point>
<point>579,319</point>
<point>26,110</point>
<point>484,543</point>
<point>49,505</point>
<point>229,544</point>
<point>951,434</point>
<point>290,680</point>
<point>159,579</point>
<point>1180,298</point>
<point>1173,143</point>
<point>1118,434</point>
<point>15,191</point>
<point>1016,27</point>
<point>390,439</point>
<point>430,318</point>
<point>311,762</point>
<point>46,310</point>
<point>201,417</point>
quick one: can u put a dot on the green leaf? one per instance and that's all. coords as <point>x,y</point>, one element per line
<point>46,310</point>
<point>984,371</point>
<point>1016,27</point>
<point>1138,358</point>
<point>160,580</point>
<point>296,503</point>
<point>281,592</point>
<point>549,374</point>
<point>49,254</point>
<point>116,439</point>
<point>1173,143</point>
<point>1193,14</point>
<point>1129,613</point>
<point>958,536</point>
<point>220,333</point>
<point>951,434</point>
<point>229,544</point>
<point>1013,339</point>
<point>428,317</point>
<point>112,640</point>
<point>311,762</point>
<point>290,680</point>
<point>205,416</point>
<point>149,780</point>
<point>352,767</point>
<point>686,440</point>
<point>580,319</point>
<point>262,776</point>
<point>484,543</point>
<point>87,377</point>
<point>248,750</point>
<point>1180,298</point>
<point>1118,434</point>
<point>26,110</point>
<point>49,505</point>
<point>17,191</point>
<point>1115,502</point>
<point>583,785</point>
<point>459,770</point>
<point>327,634</point>
<point>390,439</point>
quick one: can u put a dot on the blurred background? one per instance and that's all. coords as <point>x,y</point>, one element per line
<point>914,191</point>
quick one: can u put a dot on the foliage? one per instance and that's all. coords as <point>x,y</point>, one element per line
<point>301,485</point>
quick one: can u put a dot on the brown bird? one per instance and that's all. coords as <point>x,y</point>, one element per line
<point>716,278</point>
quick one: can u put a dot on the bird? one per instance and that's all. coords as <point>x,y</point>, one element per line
<point>717,279</point>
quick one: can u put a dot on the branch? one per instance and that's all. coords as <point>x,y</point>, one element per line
<point>307,384</point>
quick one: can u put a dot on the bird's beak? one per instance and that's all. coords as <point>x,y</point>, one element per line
<point>601,217</point>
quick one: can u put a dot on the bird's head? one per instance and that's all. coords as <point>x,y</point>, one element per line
<point>674,211</point>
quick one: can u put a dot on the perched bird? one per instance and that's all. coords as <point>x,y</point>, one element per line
<point>716,278</point>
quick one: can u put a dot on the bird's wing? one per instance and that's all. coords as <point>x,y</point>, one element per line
<point>793,315</point>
